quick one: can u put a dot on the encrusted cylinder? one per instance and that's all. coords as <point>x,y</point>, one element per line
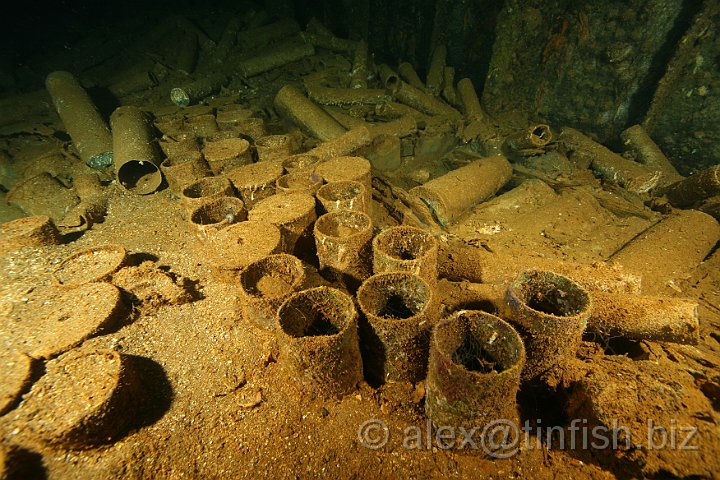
<point>400,310</point>
<point>474,371</point>
<point>307,182</point>
<point>319,344</point>
<point>551,313</point>
<point>35,231</point>
<point>300,162</point>
<point>343,195</point>
<point>695,188</point>
<point>136,157</point>
<point>313,120</point>
<point>406,249</point>
<point>450,195</point>
<point>345,144</point>
<point>424,102</point>
<point>275,57</point>
<point>348,168</point>
<point>191,93</point>
<point>343,241</point>
<point>89,132</point>
<point>639,317</point>
<point>265,284</point>
<point>225,155</point>
<point>436,70</point>
<point>293,213</point>
<point>272,147</point>
<point>255,182</point>
<point>184,169</point>
<point>214,214</point>
<point>195,193</point>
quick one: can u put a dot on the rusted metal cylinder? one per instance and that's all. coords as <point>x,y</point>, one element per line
<point>275,57</point>
<point>534,137</point>
<point>359,70</point>
<point>424,102</point>
<point>407,73</point>
<point>301,162</point>
<point>256,181</point>
<point>313,120</point>
<point>89,132</point>
<point>183,169</point>
<point>35,231</point>
<point>319,344</point>
<point>670,250</point>
<point>273,147</point>
<point>406,249</point>
<point>304,181</point>
<point>214,214</point>
<point>450,195</point>
<point>265,284</point>
<point>343,241</point>
<point>199,191</point>
<point>449,92</point>
<point>348,168</point>
<point>254,38</point>
<point>474,371</point>
<point>695,188</point>
<point>343,195</point>
<point>637,140</point>
<point>137,159</point>
<point>343,145</point>
<point>191,93</point>
<point>551,313</point>
<point>639,317</point>
<point>347,96</point>
<point>238,245</point>
<point>399,309</point>
<point>294,213</point>
<point>389,78</point>
<point>436,70</point>
<point>225,155</point>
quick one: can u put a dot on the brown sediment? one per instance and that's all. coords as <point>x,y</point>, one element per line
<point>214,214</point>
<point>450,195</point>
<point>348,168</point>
<point>33,231</point>
<point>42,195</point>
<point>343,241</point>
<point>662,319</point>
<point>275,57</point>
<point>85,399</point>
<point>290,102</point>
<point>317,333</point>
<point>240,244</point>
<point>475,364</point>
<point>682,240</point>
<point>551,313</point>
<point>406,249</point>
<point>293,213</point>
<point>399,309</point>
<point>255,182</point>
<point>134,150</point>
<point>95,264</point>
<point>16,373</point>
<point>343,195</point>
<point>224,155</point>
<point>183,169</point>
<point>265,284</point>
<point>90,134</point>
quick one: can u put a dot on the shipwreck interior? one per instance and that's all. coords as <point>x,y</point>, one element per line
<point>360,239</point>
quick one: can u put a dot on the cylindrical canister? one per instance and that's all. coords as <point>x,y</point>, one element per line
<point>474,371</point>
<point>225,155</point>
<point>265,284</point>
<point>256,181</point>
<point>214,214</point>
<point>197,192</point>
<point>184,169</point>
<point>136,157</point>
<point>343,241</point>
<point>319,342</point>
<point>312,119</point>
<point>270,147</point>
<point>551,313</point>
<point>35,231</point>
<point>308,182</point>
<point>343,195</point>
<point>238,245</point>
<point>400,310</point>
<point>358,169</point>
<point>406,249</point>
<point>455,192</point>
<point>193,92</point>
<point>293,213</point>
<point>89,132</point>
